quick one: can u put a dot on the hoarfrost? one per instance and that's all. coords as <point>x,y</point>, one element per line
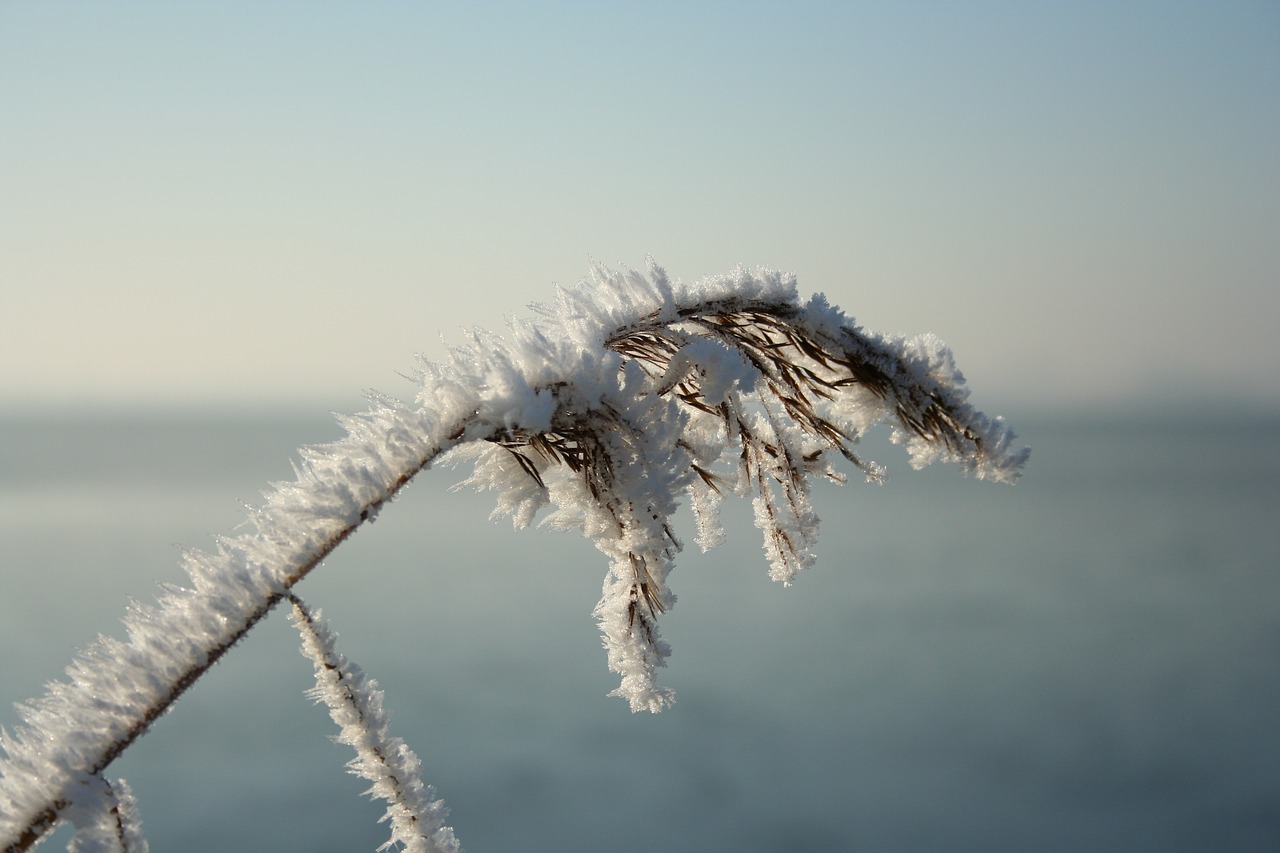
<point>415,813</point>
<point>105,816</point>
<point>602,409</point>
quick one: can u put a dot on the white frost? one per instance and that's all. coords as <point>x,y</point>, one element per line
<point>604,408</point>
<point>415,813</point>
<point>106,818</point>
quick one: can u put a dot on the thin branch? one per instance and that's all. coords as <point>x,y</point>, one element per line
<point>417,816</point>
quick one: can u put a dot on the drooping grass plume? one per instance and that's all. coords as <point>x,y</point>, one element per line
<point>602,410</point>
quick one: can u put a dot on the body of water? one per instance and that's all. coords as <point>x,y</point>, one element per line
<point>1086,661</point>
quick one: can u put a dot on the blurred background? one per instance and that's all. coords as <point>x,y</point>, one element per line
<point>249,202</point>
<point>220,223</point>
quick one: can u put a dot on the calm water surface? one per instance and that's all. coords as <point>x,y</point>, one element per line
<point>1089,660</point>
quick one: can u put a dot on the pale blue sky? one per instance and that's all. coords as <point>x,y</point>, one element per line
<point>241,202</point>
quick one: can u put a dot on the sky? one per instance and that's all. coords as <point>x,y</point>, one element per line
<point>256,204</point>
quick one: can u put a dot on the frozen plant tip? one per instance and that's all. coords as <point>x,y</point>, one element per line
<point>106,819</point>
<point>628,392</point>
<point>355,704</point>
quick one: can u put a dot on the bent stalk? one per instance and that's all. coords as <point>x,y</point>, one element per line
<point>627,393</point>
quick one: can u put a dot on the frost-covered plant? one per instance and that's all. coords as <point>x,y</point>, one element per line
<point>603,409</point>
<point>355,703</point>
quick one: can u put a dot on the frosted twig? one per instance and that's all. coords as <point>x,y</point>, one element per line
<point>355,704</point>
<point>106,819</point>
<point>117,689</point>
